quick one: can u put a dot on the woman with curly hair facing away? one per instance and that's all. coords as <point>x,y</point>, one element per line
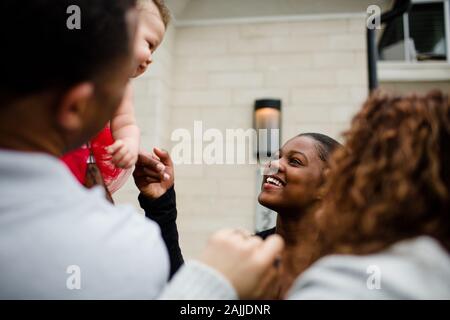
<point>385,220</point>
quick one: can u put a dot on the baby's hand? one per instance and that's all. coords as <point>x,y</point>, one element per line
<point>124,153</point>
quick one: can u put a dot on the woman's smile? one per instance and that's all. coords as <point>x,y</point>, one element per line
<point>273,183</point>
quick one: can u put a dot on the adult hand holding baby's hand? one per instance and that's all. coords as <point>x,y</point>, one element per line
<point>154,173</point>
<point>124,153</point>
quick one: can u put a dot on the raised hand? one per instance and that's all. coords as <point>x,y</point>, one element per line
<point>248,262</point>
<point>154,173</point>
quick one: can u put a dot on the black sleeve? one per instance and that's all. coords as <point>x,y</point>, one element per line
<point>266,233</point>
<point>164,212</point>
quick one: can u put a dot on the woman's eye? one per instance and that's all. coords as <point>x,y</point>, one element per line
<point>296,162</point>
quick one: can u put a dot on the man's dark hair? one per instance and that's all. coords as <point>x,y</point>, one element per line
<point>325,145</point>
<point>40,52</point>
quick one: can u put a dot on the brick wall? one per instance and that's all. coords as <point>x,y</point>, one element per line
<point>318,69</point>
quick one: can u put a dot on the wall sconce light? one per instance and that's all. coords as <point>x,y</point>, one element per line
<point>267,123</point>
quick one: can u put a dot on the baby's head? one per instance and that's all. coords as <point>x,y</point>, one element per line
<point>154,16</point>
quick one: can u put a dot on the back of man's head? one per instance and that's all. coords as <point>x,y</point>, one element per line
<point>54,44</point>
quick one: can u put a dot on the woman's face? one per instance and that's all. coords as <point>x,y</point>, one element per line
<point>298,177</point>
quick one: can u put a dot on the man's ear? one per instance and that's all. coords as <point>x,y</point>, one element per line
<point>73,106</point>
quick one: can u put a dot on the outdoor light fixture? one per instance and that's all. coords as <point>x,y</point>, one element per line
<point>267,124</point>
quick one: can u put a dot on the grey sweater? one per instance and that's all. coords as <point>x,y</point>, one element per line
<point>61,241</point>
<point>413,269</point>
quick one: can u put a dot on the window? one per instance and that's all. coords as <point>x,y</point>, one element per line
<point>422,34</point>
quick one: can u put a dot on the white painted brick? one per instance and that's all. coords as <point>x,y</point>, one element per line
<point>265,29</point>
<point>300,43</point>
<point>192,80</point>
<point>185,116</point>
<point>334,59</point>
<point>215,63</point>
<point>306,114</point>
<point>215,33</point>
<point>351,77</point>
<point>359,94</point>
<point>296,128</point>
<point>337,129</point>
<point>283,61</point>
<point>184,171</point>
<point>247,172</point>
<point>237,187</point>
<point>200,47</point>
<point>343,113</point>
<point>193,187</point>
<point>223,118</point>
<point>325,95</point>
<point>346,42</point>
<point>357,25</point>
<point>249,45</point>
<point>236,80</point>
<point>306,78</point>
<point>319,27</point>
<point>201,98</point>
<point>215,208</point>
<point>247,97</point>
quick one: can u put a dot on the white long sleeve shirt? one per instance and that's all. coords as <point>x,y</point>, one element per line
<point>59,240</point>
<point>417,268</point>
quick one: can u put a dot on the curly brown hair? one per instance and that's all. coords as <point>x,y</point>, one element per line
<point>391,180</point>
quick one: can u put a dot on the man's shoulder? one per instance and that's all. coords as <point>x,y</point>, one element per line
<point>113,246</point>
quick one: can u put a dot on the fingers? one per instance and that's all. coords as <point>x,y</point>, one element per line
<point>163,156</point>
<point>270,250</point>
<point>146,160</point>
<point>145,172</point>
<point>147,165</point>
<point>121,157</point>
<point>112,149</point>
<point>242,232</point>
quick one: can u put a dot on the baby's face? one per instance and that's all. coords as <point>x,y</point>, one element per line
<point>150,34</point>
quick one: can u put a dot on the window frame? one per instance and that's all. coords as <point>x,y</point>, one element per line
<point>406,33</point>
<point>410,70</point>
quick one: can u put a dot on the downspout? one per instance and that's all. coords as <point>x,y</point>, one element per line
<point>400,7</point>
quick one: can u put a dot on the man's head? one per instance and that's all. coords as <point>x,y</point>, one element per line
<point>154,16</point>
<point>63,84</point>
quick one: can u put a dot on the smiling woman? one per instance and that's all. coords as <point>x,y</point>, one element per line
<point>292,187</point>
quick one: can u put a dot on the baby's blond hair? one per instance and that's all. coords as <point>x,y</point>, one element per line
<point>162,7</point>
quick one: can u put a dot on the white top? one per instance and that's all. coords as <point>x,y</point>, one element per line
<point>56,236</point>
<point>417,268</point>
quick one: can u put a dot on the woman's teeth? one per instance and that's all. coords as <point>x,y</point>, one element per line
<point>274,181</point>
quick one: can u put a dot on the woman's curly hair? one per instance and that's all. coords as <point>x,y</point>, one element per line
<point>391,180</point>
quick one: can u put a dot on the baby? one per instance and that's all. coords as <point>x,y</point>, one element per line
<point>153,19</point>
<point>116,147</point>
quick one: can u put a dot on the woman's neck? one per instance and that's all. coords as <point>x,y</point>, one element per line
<point>296,228</point>
<point>300,234</point>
